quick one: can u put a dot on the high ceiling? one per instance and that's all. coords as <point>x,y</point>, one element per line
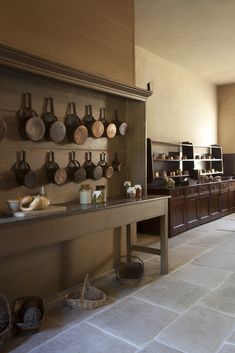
<point>198,35</point>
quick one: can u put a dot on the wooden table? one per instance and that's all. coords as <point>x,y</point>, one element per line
<point>19,235</point>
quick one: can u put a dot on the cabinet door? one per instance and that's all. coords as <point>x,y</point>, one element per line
<point>204,211</point>
<point>231,200</point>
<point>214,205</point>
<point>223,202</point>
<point>176,215</point>
<point>231,196</point>
<point>191,212</point>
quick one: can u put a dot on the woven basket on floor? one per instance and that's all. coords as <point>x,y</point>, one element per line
<point>5,322</point>
<point>28,313</point>
<point>129,270</point>
<point>86,297</point>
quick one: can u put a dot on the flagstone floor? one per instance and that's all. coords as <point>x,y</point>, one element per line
<point>190,310</point>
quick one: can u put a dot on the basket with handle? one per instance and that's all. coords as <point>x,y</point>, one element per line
<point>129,270</point>
<point>5,322</point>
<point>86,297</point>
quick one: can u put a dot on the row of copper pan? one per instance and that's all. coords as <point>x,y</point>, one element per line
<point>73,172</point>
<point>48,127</point>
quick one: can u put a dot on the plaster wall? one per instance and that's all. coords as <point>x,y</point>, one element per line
<point>226,117</point>
<point>183,107</point>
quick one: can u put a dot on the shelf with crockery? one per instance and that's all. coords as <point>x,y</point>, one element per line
<point>182,160</point>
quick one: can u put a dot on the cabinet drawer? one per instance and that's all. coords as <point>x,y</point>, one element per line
<point>203,189</point>
<point>177,193</point>
<point>223,187</point>
<point>214,188</point>
<point>190,191</point>
<point>231,185</point>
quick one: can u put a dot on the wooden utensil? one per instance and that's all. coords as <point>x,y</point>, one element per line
<point>95,127</point>
<point>24,175</point>
<point>110,129</point>
<point>92,171</point>
<point>55,174</point>
<point>75,130</point>
<point>55,130</point>
<point>31,127</point>
<point>121,126</point>
<point>108,171</point>
<point>75,171</point>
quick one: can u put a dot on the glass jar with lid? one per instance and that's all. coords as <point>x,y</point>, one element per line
<point>85,194</point>
<point>102,188</point>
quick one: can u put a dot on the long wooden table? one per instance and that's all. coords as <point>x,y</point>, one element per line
<point>19,235</point>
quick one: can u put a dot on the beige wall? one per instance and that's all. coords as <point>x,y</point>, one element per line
<point>92,35</point>
<point>226,117</point>
<point>182,107</point>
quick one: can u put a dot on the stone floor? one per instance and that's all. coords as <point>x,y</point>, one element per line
<point>190,310</point>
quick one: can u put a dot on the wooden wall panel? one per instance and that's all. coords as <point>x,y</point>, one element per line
<point>48,270</point>
<point>57,266</point>
<point>96,36</point>
<point>12,86</point>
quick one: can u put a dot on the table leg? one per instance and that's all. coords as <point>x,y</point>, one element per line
<point>117,233</point>
<point>128,241</point>
<point>164,243</point>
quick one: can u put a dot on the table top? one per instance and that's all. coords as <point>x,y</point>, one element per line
<point>75,208</point>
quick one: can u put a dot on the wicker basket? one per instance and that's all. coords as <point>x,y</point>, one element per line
<point>129,270</point>
<point>86,297</point>
<point>5,322</point>
<point>29,314</point>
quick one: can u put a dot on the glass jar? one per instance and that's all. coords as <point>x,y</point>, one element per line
<point>85,194</point>
<point>102,188</point>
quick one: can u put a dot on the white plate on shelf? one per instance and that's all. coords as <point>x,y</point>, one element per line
<point>50,209</point>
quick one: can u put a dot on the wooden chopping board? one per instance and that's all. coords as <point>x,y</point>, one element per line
<point>50,209</point>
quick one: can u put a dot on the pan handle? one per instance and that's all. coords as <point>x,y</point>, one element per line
<point>74,108</point>
<point>88,156</point>
<point>73,156</point>
<point>75,162</point>
<point>27,101</point>
<point>51,105</point>
<point>51,161</point>
<point>50,158</point>
<point>22,163</point>
<point>22,156</point>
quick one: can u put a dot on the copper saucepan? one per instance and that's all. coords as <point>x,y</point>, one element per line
<point>55,174</point>
<point>24,175</point>
<point>31,127</point>
<point>75,129</point>
<point>55,129</point>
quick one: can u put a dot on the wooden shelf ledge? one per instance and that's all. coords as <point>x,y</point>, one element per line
<point>26,62</point>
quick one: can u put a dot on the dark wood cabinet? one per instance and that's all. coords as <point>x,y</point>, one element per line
<point>191,206</point>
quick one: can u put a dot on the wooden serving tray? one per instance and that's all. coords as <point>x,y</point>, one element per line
<point>50,209</point>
